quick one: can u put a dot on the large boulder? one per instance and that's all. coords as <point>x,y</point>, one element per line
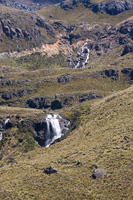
<point>65,78</point>
<point>56,104</point>
<point>50,170</point>
<point>99,173</point>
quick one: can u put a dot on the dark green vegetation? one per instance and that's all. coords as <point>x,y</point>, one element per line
<point>36,78</point>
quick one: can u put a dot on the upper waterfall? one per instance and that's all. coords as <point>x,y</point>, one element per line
<point>84,55</point>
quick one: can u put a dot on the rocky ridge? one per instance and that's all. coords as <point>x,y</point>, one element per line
<point>112,8</point>
<point>28,5</point>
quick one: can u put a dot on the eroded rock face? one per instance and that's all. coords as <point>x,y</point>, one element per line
<point>40,102</point>
<point>61,100</point>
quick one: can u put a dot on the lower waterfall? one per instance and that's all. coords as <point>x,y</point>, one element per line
<point>53,131</point>
<point>52,127</point>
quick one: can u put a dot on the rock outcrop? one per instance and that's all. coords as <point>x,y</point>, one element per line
<point>113,7</point>
<point>112,73</point>
<point>128,49</point>
<point>40,102</point>
<point>50,170</point>
<point>61,100</point>
<point>128,71</point>
<point>18,93</point>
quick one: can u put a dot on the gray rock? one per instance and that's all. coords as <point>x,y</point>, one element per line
<point>8,83</point>
<point>40,102</point>
<point>112,73</point>
<point>99,173</point>
<point>18,93</point>
<point>128,71</point>
<point>66,78</point>
<point>128,48</point>
<point>123,40</point>
<point>56,104</point>
<point>89,96</point>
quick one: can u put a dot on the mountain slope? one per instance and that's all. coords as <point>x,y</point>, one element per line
<point>74,61</point>
<point>103,139</point>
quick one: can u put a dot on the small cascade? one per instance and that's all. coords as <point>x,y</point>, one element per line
<point>6,122</point>
<point>4,128</point>
<point>84,55</point>
<point>1,136</point>
<point>53,129</point>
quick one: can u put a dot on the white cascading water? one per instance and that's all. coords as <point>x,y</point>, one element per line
<point>6,121</point>
<point>53,129</point>
<point>1,134</point>
<point>82,54</point>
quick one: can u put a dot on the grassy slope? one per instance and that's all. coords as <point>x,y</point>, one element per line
<point>98,140</point>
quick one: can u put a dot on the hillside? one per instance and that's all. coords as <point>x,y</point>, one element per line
<point>28,5</point>
<point>66,95</point>
<point>102,139</point>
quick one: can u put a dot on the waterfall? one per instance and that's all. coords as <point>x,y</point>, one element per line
<point>1,136</point>
<point>6,122</point>
<point>84,55</point>
<point>4,128</point>
<point>53,131</point>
